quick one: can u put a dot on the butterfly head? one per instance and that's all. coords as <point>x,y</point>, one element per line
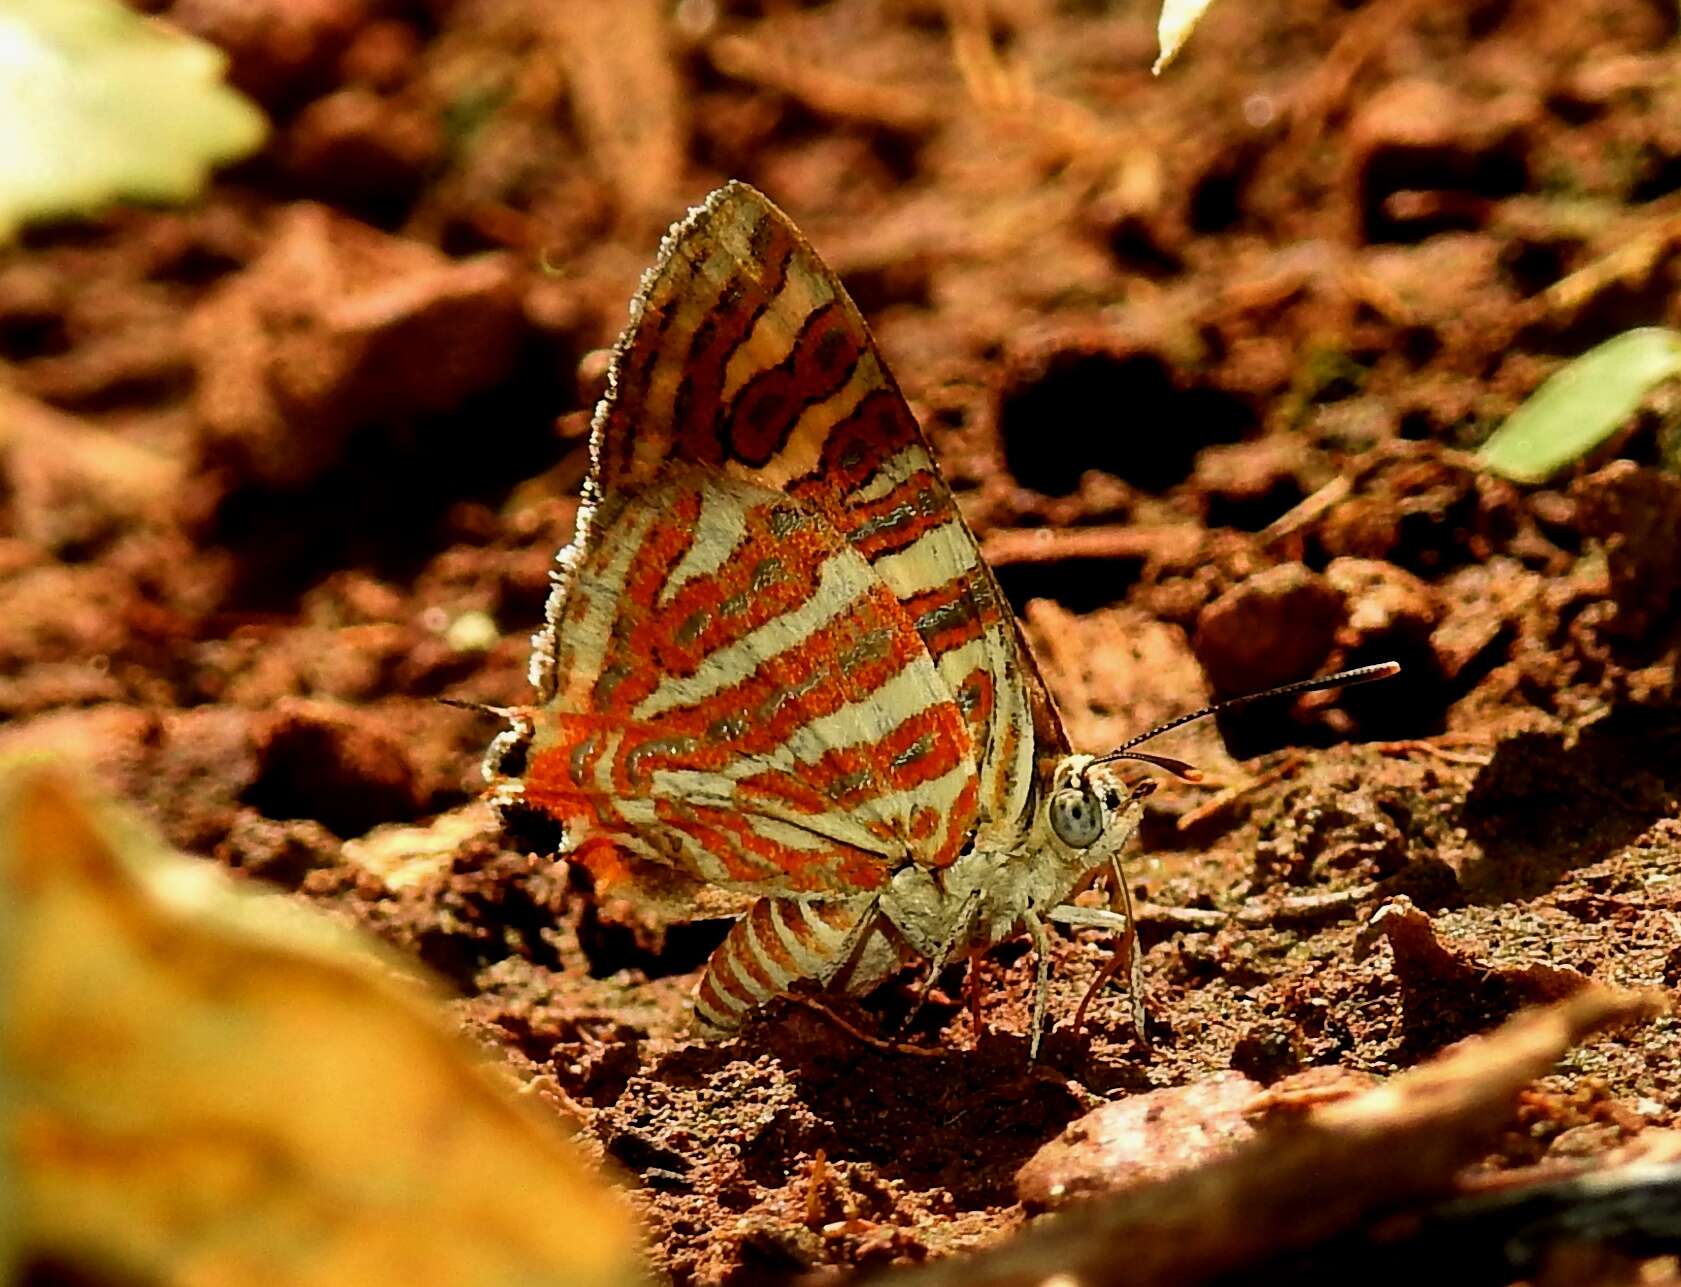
<point>1088,810</point>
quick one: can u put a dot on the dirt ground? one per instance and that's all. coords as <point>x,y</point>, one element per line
<point>1202,355</point>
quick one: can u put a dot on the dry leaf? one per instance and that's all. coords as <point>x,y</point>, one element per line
<point>103,104</point>
<point>1342,1164</point>
<point>209,1085</point>
<point>1179,18</point>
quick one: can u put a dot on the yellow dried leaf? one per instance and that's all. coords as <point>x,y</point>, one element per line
<point>205,1084</point>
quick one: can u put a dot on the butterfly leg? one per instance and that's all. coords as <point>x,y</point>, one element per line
<point>776,944</point>
<point>1126,954</point>
<point>1041,979</point>
<point>942,953</point>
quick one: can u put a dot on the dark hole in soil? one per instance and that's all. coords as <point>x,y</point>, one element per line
<point>899,153</point>
<point>1416,425</point>
<point>1481,20</point>
<point>1541,808</point>
<point>1660,176</point>
<point>383,507</point>
<point>530,830</point>
<point>309,771</point>
<point>1532,266</point>
<point>26,335</point>
<point>611,948</point>
<point>1421,344</point>
<point>1453,172</point>
<point>1252,513</point>
<point>1216,203</point>
<point>1080,585</point>
<point>169,386</point>
<point>1124,415</point>
<point>462,237</point>
<point>1217,199</point>
<point>1137,249</point>
<point>196,265</point>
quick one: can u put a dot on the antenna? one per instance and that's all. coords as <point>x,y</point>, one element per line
<point>481,708</point>
<point>1343,678</point>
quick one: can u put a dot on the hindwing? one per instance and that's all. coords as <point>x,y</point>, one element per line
<point>775,659</point>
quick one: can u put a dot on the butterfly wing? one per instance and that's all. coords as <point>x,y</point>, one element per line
<point>737,696</point>
<point>745,362</point>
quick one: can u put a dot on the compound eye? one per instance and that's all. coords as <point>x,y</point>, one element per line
<point>1076,817</point>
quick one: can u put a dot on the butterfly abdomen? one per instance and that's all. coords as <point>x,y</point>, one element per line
<point>778,942</point>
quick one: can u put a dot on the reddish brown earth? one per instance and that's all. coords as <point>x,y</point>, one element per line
<point>282,470</point>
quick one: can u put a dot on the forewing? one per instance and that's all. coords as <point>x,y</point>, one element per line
<point>746,356</point>
<point>735,694</point>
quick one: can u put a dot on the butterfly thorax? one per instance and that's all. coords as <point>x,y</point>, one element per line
<point>1009,874</point>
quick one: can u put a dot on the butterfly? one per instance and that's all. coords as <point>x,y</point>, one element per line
<point>776,678</point>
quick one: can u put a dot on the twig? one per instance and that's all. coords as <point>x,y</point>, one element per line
<point>828,93</point>
<point>1260,913</point>
<point>814,1188</point>
<point>1306,511</point>
<point>1631,262</point>
<point>1173,543</point>
<point>1433,747</point>
<point>1230,795</point>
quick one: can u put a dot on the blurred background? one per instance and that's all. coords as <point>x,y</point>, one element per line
<point>1208,358</point>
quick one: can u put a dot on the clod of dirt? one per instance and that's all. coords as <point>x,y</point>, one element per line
<point>1424,510</point>
<point>362,149</point>
<point>1334,831</point>
<point>1276,626</point>
<point>69,487</point>
<point>279,51</point>
<point>1636,512</point>
<point>1447,992</point>
<point>1139,1140</point>
<point>187,767</point>
<point>1482,604</point>
<point>337,327</point>
<point>1389,609</point>
<point>283,853</point>
<point>401,856</point>
<point>334,764</point>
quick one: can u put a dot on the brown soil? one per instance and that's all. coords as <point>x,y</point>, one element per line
<point>292,465</point>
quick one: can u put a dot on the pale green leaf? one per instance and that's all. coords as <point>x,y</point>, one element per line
<point>1582,405</point>
<point>98,103</point>
<point>1179,18</point>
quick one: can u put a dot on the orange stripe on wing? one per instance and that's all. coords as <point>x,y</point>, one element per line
<point>856,448</point>
<point>895,522</point>
<point>947,616</point>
